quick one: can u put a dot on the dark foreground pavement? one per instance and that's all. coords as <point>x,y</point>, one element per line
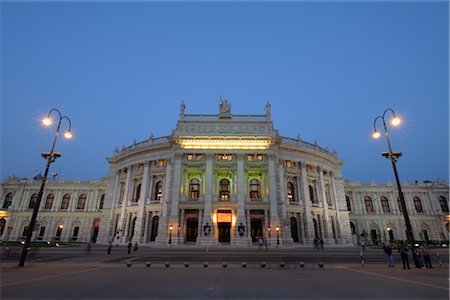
<point>71,275</point>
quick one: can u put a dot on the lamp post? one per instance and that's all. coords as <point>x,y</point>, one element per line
<point>278,235</point>
<point>50,157</point>
<point>170,234</point>
<point>393,156</point>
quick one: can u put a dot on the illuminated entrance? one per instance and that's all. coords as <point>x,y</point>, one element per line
<point>224,225</point>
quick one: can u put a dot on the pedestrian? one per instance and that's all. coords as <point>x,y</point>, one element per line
<point>418,255</point>
<point>316,243</point>
<point>88,248</point>
<point>403,250</point>
<point>321,244</point>
<point>363,245</point>
<point>109,247</point>
<point>388,252</point>
<point>135,246</point>
<point>426,256</point>
<point>260,243</point>
<point>130,244</point>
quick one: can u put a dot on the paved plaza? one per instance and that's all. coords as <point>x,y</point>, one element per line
<point>70,273</point>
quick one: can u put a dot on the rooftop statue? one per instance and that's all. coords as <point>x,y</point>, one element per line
<point>182,108</point>
<point>224,107</point>
<point>268,110</point>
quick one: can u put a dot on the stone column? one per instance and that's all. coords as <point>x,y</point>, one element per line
<point>140,221</point>
<point>174,218</point>
<point>207,240</point>
<point>336,205</point>
<point>124,204</point>
<point>286,230</point>
<point>241,240</point>
<point>326,218</point>
<point>274,218</point>
<point>163,235</point>
<point>309,228</point>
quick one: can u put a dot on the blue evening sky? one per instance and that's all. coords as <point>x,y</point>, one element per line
<point>119,70</point>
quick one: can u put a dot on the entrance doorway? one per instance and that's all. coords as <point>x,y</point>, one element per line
<point>255,229</point>
<point>294,230</point>
<point>191,230</point>
<point>224,232</point>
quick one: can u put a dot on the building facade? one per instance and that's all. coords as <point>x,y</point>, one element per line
<point>223,179</point>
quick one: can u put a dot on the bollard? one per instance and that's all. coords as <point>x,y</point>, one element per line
<point>224,264</point>
<point>129,264</point>
<point>148,263</point>
<point>244,264</point>
<point>282,264</point>
<point>263,265</point>
<point>205,264</point>
<point>320,265</point>
<point>302,264</point>
<point>186,264</point>
<point>167,264</point>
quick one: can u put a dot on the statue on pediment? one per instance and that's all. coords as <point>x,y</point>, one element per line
<point>224,107</point>
<point>182,108</point>
<point>268,106</point>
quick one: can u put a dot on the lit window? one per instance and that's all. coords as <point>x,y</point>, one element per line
<point>224,191</point>
<point>228,157</point>
<point>290,191</point>
<point>161,162</point>
<point>194,157</point>
<point>194,189</point>
<point>255,189</point>
<point>259,157</point>
<point>158,190</point>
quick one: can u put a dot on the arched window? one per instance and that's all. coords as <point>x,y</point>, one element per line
<point>385,204</point>
<point>349,205</point>
<point>65,201</point>
<point>444,204</point>
<point>255,189</point>
<point>49,201</point>
<point>33,200</point>
<point>224,189</point>
<point>418,204</point>
<point>8,201</point>
<point>294,229</point>
<point>352,228</point>
<point>312,194</point>
<point>194,189</point>
<point>2,225</point>
<point>154,231</point>
<point>81,201</point>
<point>290,191</point>
<point>158,190</point>
<point>369,204</point>
<point>102,201</point>
<point>137,194</point>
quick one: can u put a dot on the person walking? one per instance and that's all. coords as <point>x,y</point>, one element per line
<point>130,244</point>
<point>403,250</point>
<point>418,254</point>
<point>109,247</point>
<point>388,252</point>
<point>135,246</point>
<point>88,248</point>
<point>316,243</point>
<point>321,244</point>
<point>260,243</point>
<point>426,256</point>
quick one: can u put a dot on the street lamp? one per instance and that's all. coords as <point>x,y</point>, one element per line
<point>393,156</point>
<point>50,157</point>
<point>170,234</point>
<point>278,236</point>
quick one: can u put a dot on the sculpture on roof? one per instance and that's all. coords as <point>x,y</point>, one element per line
<point>182,108</point>
<point>224,106</point>
<point>268,110</point>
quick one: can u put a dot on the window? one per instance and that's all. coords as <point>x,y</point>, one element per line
<point>225,157</point>
<point>418,204</point>
<point>251,157</point>
<point>25,232</point>
<point>194,189</point>
<point>102,202</point>
<point>137,194</point>
<point>352,228</point>
<point>8,201</point>
<point>75,233</point>
<point>290,191</point>
<point>65,201</point>
<point>158,190</point>
<point>49,201</point>
<point>41,233</point>
<point>33,200</point>
<point>224,189</point>
<point>81,201</point>
<point>161,162</point>
<point>385,204</point>
<point>349,205</point>
<point>369,204</point>
<point>444,204</point>
<point>194,157</point>
<point>255,189</point>
<point>288,163</point>
<point>312,194</point>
